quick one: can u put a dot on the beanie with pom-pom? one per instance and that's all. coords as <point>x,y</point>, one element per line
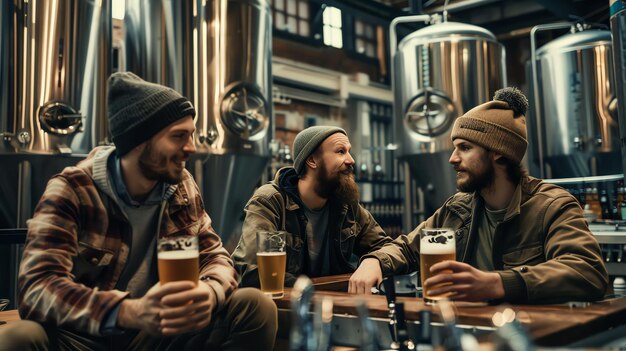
<point>498,125</point>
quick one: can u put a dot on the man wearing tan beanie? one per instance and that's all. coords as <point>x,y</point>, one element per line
<point>518,239</point>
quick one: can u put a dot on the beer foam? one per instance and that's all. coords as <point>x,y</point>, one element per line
<point>271,253</point>
<point>178,255</point>
<point>427,247</point>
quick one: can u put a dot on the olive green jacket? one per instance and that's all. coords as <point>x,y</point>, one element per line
<point>277,206</point>
<point>543,249</point>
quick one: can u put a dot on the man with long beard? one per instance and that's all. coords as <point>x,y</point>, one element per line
<point>88,278</point>
<point>317,202</point>
<point>518,239</point>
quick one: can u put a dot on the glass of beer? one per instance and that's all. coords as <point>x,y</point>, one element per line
<point>436,245</point>
<point>178,258</point>
<point>271,259</point>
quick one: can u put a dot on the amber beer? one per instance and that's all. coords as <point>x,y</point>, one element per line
<point>178,258</point>
<point>178,265</point>
<point>272,272</point>
<point>436,245</point>
<point>271,259</point>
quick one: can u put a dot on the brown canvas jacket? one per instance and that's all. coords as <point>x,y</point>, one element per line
<point>352,228</point>
<point>78,243</point>
<point>543,249</point>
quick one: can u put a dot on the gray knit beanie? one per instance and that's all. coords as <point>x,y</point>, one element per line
<point>138,110</point>
<point>308,140</point>
<point>498,125</point>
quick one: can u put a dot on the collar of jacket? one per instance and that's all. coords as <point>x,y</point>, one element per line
<point>463,203</point>
<point>286,181</point>
<point>179,197</point>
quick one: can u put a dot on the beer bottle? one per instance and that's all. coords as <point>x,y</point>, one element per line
<point>591,199</point>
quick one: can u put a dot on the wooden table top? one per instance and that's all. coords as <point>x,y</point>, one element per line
<point>9,317</point>
<point>549,325</point>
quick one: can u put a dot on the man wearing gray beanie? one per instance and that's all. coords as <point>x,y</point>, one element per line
<point>89,274</point>
<point>317,203</point>
<point>518,239</point>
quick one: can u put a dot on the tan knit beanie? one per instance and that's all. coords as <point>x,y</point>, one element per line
<point>498,125</point>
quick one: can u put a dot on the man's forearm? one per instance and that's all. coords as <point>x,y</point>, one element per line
<point>498,286</point>
<point>127,316</point>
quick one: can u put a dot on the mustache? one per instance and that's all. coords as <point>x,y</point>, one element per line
<point>348,170</point>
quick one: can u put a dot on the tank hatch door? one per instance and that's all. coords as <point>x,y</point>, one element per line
<point>430,113</point>
<point>244,111</point>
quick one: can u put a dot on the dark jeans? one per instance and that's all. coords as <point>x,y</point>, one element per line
<point>248,321</point>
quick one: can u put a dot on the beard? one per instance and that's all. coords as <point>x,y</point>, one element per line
<point>154,166</point>
<point>340,186</point>
<point>479,180</point>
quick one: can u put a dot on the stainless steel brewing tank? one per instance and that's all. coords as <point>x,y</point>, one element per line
<point>234,109</point>
<point>440,72</point>
<point>218,54</point>
<point>54,64</point>
<point>56,85</point>
<point>578,108</point>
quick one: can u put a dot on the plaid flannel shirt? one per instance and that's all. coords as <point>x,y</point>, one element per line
<point>78,243</point>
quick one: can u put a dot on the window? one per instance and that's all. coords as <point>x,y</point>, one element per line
<point>332,27</point>
<point>365,38</point>
<point>118,8</point>
<point>292,16</point>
